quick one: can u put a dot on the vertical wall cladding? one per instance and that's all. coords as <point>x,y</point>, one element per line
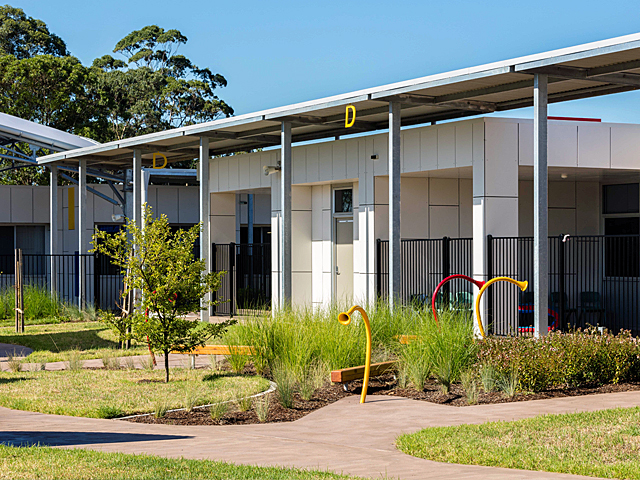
<point>301,248</point>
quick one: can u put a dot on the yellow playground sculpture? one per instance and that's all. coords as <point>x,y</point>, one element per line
<point>523,286</point>
<point>345,319</point>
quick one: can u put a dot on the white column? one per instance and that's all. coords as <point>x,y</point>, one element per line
<point>495,203</point>
<point>365,255</point>
<point>285,225</point>
<point>395,267</point>
<point>53,226</point>
<point>540,204</point>
<point>137,187</point>
<point>205,217</point>
<point>82,232</point>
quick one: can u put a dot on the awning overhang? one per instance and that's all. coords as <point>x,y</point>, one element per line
<point>594,69</point>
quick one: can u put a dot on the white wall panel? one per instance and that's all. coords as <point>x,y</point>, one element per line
<point>625,146</point>
<point>594,146</point>
<point>464,144</point>
<point>414,214</point>
<point>339,160</point>
<point>525,208</point>
<point>299,165</point>
<point>188,199</point>
<point>244,171</point>
<point>501,216</point>
<point>22,204</point>
<point>41,204</point>
<point>411,150</point>
<point>525,147</point>
<point>446,146</point>
<point>563,144</point>
<point>381,148</point>
<point>443,221</point>
<point>588,208</point>
<point>443,191</point>
<point>5,204</point>
<point>168,203</point>
<point>313,168</point>
<point>223,174</point>
<point>261,209</point>
<point>466,207</point>
<point>501,159</point>
<point>562,194</point>
<point>353,158</point>
<point>428,148</point>
<point>325,161</point>
<point>562,220</point>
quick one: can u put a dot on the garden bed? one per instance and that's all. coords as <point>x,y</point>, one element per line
<point>383,385</point>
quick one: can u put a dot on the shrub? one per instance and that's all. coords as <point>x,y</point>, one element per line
<point>108,411</point>
<point>470,386</point>
<point>243,401</point>
<point>75,361</point>
<point>488,377</point>
<point>161,407</point>
<point>415,363</point>
<point>582,357</point>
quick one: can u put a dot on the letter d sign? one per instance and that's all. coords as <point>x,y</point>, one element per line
<point>159,155</point>
<point>349,123</point>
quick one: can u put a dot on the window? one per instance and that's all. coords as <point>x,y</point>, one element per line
<point>622,251</point>
<point>343,201</point>
<point>261,234</point>
<point>621,198</point>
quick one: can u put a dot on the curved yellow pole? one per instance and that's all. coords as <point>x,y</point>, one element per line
<point>345,319</point>
<point>523,286</point>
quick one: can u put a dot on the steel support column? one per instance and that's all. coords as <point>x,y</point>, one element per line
<point>136,207</point>
<point>285,211</point>
<point>82,233</point>
<point>205,218</point>
<point>394,203</point>
<point>540,226</point>
<point>53,227</point>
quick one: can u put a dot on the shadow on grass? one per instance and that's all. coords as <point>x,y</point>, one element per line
<point>56,439</point>
<point>214,376</point>
<point>61,341</point>
<point>4,381</point>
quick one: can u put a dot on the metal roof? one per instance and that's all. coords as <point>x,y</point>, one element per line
<point>589,70</point>
<point>15,129</point>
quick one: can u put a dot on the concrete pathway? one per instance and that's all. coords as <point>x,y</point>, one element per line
<point>343,437</point>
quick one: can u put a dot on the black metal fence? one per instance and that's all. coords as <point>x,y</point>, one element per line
<point>593,280</point>
<point>425,262</point>
<point>103,281</point>
<point>247,281</point>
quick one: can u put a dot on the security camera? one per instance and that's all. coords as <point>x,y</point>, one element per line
<point>117,217</point>
<point>269,169</point>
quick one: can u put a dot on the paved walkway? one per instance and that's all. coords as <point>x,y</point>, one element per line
<point>344,437</point>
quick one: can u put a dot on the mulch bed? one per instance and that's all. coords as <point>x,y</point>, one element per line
<point>383,385</point>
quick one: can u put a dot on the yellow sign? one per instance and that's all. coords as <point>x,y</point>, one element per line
<point>158,154</point>
<point>71,212</point>
<point>349,123</point>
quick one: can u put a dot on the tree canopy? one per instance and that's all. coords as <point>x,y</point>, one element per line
<point>149,89</point>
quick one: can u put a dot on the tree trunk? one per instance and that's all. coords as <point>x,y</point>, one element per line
<point>166,366</point>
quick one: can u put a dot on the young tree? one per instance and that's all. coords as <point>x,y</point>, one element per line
<point>161,265</point>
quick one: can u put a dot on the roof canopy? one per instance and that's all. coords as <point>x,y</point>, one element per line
<point>593,69</point>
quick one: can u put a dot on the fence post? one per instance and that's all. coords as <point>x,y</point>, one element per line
<point>19,287</point>
<point>561,274</point>
<point>232,283</point>
<point>214,268</point>
<point>96,281</point>
<point>378,268</point>
<point>489,277</point>
<point>446,270</point>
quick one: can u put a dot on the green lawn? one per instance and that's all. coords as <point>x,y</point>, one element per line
<point>55,342</point>
<point>109,393</point>
<point>600,444</point>
<point>52,463</point>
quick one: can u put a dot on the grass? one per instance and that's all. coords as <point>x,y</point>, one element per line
<point>600,444</point>
<point>40,307</point>
<point>128,391</point>
<point>50,463</point>
<point>55,343</point>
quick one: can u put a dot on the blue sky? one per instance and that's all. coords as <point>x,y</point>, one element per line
<point>281,52</point>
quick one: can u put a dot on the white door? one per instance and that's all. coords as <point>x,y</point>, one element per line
<point>343,259</point>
